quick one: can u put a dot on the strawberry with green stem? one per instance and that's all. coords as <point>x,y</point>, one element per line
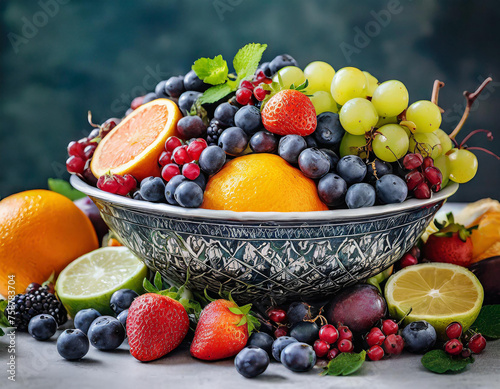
<point>451,244</point>
<point>158,321</point>
<point>223,330</point>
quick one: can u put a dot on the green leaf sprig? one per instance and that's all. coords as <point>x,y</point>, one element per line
<point>345,364</point>
<point>64,188</point>
<point>438,361</point>
<point>488,322</point>
<point>215,71</point>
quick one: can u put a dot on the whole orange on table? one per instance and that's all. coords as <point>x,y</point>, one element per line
<point>40,233</point>
<point>261,183</point>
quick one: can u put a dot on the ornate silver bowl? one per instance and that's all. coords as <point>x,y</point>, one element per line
<point>259,255</point>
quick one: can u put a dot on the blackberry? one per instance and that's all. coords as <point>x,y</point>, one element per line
<point>214,130</point>
<point>26,306</point>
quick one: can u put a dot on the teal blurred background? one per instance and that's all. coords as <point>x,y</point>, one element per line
<point>61,58</point>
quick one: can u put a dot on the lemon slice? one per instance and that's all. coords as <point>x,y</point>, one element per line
<point>89,281</point>
<point>439,293</point>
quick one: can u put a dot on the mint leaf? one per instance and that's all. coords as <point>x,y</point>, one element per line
<point>247,60</point>
<point>4,321</point>
<point>64,188</point>
<point>440,362</point>
<point>212,71</point>
<point>488,321</point>
<point>149,287</point>
<point>216,93</point>
<point>345,364</point>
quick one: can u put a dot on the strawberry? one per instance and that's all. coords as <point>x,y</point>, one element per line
<point>289,112</point>
<point>156,322</point>
<point>222,331</point>
<point>451,244</point>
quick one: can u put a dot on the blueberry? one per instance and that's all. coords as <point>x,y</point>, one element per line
<point>311,142</point>
<point>376,170</point>
<point>175,86</point>
<point>186,101</point>
<point>391,189</point>
<point>233,141</point>
<point>122,318</point>
<point>212,159</point>
<point>298,357</point>
<point>224,113</point>
<point>84,318</point>
<point>171,187</point>
<point>73,344</point>
<point>329,131</point>
<point>42,327</point>
<point>193,83</point>
<point>189,194</point>
<point>137,195</point>
<point>122,299</point>
<point>149,97</point>
<point>264,142</point>
<point>298,311</point>
<point>201,181</point>
<point>261,340</point>
<point>251,362</point>
<point>280,62</point>
<point>332,189</point>
<point>419,336</point>
<point>279,344</point>
<point>290,147</point>
<point>332,156</point>
<point>352,169</point>
<point>248,119</point>
<point>160,89</point>
<point>305,332</point>
<point>153,189</point>
<point>314,163</point>
<point>106,333</point>
<point>191,127</point>
<point>360,195</point>
<point>265,68</point>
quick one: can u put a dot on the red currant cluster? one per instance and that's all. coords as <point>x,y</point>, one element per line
<point>423,176</point>
<point>384,341</point>
<point>116,184</point>
<point>333,341</point>
<point>279,317</point>
<point>81,152</point>
<point>252,89</point>
<point>475,344</point>
<point>179,158</point>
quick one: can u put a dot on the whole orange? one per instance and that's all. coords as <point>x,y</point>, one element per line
<point>261,183</point>
<point>40,233</point>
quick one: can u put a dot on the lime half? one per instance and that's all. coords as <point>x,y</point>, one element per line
<point>89,281</point>
<point>439,293</point>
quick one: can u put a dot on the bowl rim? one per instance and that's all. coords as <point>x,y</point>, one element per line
<point>199,213</point>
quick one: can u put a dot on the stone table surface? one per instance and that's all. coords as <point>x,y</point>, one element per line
<point>38,365</point>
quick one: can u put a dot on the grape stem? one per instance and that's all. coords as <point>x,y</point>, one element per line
<point>471,98</point>
<point>490,138</point>
<point>89,118</point>
<point>435,93</point>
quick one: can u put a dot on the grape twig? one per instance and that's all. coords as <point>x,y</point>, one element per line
<point>435,93</point>
<point>471,98</point>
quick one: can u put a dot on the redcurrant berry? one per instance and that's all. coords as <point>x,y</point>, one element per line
<point>345,333</point>
<point>196,147</point>
<point>375,337</point>
<point>321,348</point>
<point>281,331</point>
<point>389,327</point>
<point>375,353</point>
<point>427,162</point>
<point>454,347</point>
<point>75,164</point>
<point>180,155</point>
<point>412,161</point>
<point>477,343</point>
<point>332,353</point>
<point>407,260</point>
<point>191,170</point>
<point>328,333</point>
<point>169,171</point>
<point>394,344</point>
<point>165,158</point>
<point>454,330</point>
<point>277,315</point>
<point>172,143</point>
<point>345,346</point>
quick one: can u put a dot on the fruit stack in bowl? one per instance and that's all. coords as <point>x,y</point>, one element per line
<point>275,137</point>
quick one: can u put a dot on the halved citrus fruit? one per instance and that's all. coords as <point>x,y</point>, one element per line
<point>439,293</point>
<point>89,281</point>
<point>135,144</point>
<point>261,183</point>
